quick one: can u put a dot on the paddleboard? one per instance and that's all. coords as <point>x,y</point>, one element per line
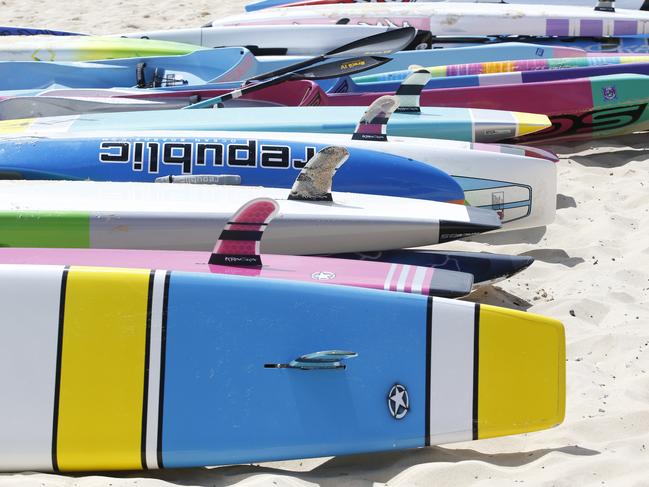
<point>515,78</point>
<point>197,67</point>
<point>584,108</point>
<point>85,48</point>
<point>206,378</point>
<point>510,66</point>
<point>466,19</point>
<point>260,159</point>
<point>267,40</point>
<point>251,7</point>
<point>443,123</point>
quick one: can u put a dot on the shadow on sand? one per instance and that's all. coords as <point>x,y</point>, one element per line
<point>365,469</point>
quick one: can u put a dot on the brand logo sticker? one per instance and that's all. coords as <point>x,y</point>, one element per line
<point>398,401</point>
<point>609,93</point>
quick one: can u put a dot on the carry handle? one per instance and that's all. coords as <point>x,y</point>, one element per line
<point>325,360</point>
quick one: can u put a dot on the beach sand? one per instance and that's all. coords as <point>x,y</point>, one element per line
<point>591,272</point>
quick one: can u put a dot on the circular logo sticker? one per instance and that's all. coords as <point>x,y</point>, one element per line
<point>323,276</point>
<point>398,401</point>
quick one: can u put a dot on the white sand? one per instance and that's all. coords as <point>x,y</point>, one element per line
<point>592,272</point>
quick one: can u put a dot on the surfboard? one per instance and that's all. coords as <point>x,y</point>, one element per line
<point>206,378</point>
<point>511,66</point>
<point>85,48</point>
<point>236,252</point>
<point>467,19</point>
<point>266,40</point>
<point>312,220</point>
<point>444,123</point>
<point>259,159</point>
<point>513,78</point>
<point>262,4</point>
<point>199,67</point>
<point>583,108</point>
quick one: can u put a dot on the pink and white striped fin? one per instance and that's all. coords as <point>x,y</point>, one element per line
<point>238,244</point>
<point>410,90</point>
<point>315,179</point>
<point>374,122</point>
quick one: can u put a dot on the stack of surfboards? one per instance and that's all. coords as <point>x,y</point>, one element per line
<point>186,286</point>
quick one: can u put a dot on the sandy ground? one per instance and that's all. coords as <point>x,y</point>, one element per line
<point>591,272</point>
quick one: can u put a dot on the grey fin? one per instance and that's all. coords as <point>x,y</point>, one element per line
<point>315,180</point>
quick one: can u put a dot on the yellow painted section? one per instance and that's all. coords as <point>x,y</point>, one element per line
<point>528,123</point>
<point>498,67</point>
<point>437,71</point>
<point>633,59</point>
<point>102,369</point>
<point>10,127</point>
<point>521,374</point>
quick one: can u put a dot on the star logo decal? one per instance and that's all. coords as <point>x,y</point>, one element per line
<point>323,276</point>
<point>398,401</point>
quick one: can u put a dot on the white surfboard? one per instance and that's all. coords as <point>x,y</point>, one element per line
<point>267,40</point>
<point>455,19</point>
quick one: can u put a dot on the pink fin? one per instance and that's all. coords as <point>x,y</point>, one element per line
<point>238,244</point>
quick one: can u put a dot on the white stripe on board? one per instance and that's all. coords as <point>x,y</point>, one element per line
<point>574,27</point>
<point>29,299</point>
<point>418,280</point>
<point>514,78</point>
<point>401,283</point>
<point>388,278</point>
<point>451,371</point>
<point>153,394</point>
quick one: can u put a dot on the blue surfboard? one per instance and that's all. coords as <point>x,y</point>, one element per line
<point>136,368</point>
<point>258,160</point>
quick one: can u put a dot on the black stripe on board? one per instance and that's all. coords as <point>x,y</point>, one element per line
<point>429,346</point>
<point>57,376</point>
<point>476,362</point>
<point>163,349</point>
<point>147,355</point>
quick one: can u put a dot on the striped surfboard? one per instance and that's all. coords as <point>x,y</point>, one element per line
<point>137,368</point>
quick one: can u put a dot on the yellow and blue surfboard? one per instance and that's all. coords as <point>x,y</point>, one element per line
<point>106,369</point>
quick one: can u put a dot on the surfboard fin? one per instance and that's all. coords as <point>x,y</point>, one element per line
<point>605,6</point>
<point>238,244</point>
<point>315,180</point>
<point>374,122</point>
<point>410,90</point>
<point>326,360</point>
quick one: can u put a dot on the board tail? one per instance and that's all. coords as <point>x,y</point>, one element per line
<point>374,122</point>
<point>315,180</point>
<point>410,91</point>
<point>239,242</point>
